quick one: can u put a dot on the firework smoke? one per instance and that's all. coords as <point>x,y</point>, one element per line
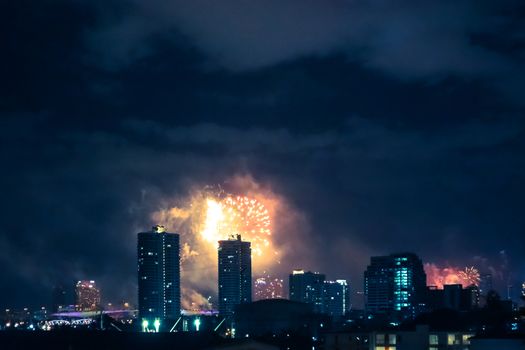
<point>210,214</point>
<point>438,277</point>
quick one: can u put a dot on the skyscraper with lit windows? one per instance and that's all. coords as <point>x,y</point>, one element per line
<point>395,286</point>
<point>307,287</point>
<point>87,296</point>
<point>158,276</point>
<point>235,274</point>
<point>336,296</point>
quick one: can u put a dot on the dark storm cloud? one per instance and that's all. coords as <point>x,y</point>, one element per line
<point>384,126</point>
<point>409,40</point>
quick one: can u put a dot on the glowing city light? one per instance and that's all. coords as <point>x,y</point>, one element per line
<point>156,324</point>
<point>145,324</point>
<point>197,324</point>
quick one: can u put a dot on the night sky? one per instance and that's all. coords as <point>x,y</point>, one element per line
<point>386,126</point>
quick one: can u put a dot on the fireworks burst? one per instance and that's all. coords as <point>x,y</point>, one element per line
<point>469,276</point>
<point>249,218</point>
<point>240,215</point>
<point>439,277</point>
<point>211,215</point>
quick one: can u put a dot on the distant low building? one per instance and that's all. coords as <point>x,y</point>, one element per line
<point>276,316</point>
<point>307,287</point>
<point>267,287</point>
<point>452,296</point>
<point>503,342</point>
<point>421,337</point>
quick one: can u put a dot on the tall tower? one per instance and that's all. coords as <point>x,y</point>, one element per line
<point>158,276</point>
<point>235,274</point>
<point>395,285</point>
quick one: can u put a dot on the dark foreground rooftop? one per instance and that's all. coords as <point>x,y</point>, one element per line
<point>94,340</point>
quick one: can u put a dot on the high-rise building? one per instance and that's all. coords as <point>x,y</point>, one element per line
<point>267,287</point>
<point>59,298</point>
<point>485,286</point>
<point>485,283</point>
<point>336,297</point>
<point>235,274</point>
<point>87,296</point>
<point>158,276</point>
<point>307,287</point>
<point>395,285</point>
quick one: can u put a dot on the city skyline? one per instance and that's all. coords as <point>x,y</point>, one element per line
<point>364,129</point>
<point>68,291</point>
<point>266,174</point>
<point>395,285</point>
<point>354,298</point>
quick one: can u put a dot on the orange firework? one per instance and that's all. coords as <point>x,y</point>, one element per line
<point>469,276</point>
<point>237,215</point>
<point>249,218</point>
<point>439,277</point>
<point>211,215</point>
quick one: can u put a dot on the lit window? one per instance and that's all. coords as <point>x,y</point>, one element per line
<point>466,339</point>
<point>380,348</point>
<point>380,338</point>
<point>392,339</point>
<point>453,339</point>
<point>433,339</point>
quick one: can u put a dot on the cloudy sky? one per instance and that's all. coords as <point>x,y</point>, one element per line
<point>386,126</point>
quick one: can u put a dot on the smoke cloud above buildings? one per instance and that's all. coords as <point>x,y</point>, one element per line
<point>239,206</point>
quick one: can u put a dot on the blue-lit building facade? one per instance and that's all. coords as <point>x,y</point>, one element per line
<point>158,276</point>
<point>395,286</point>
<point>307,287</point>
<point>336,296</point>
<point>234,274</point>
